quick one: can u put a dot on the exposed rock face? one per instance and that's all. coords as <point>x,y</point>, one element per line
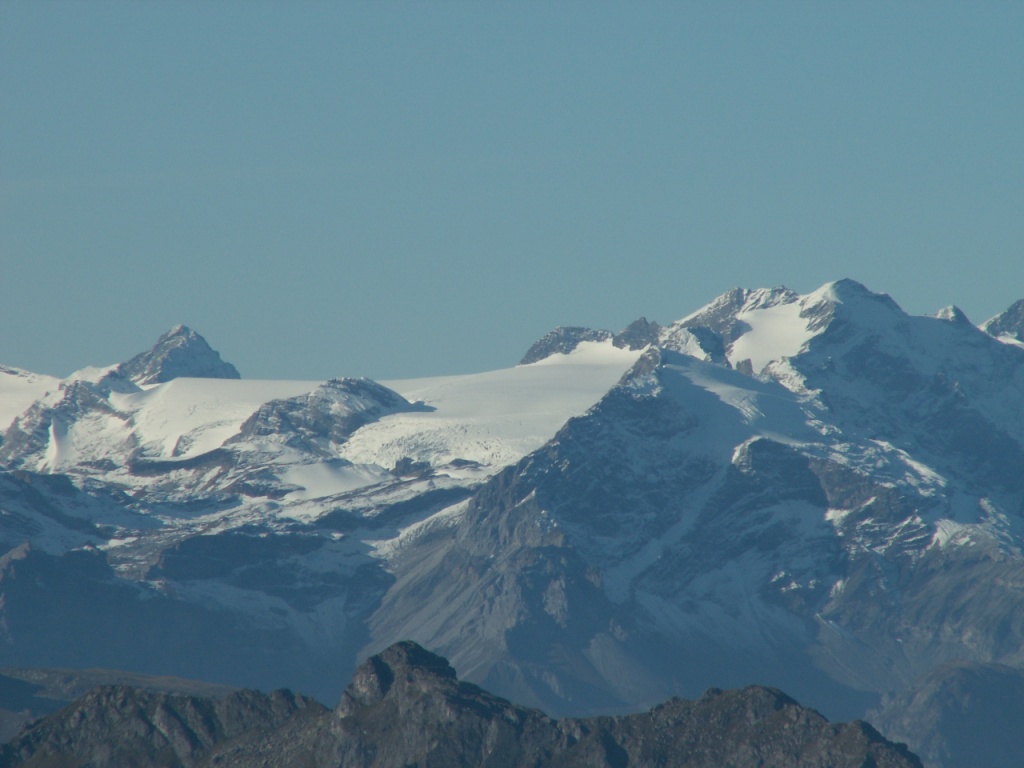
<point>49,423</point>
<point>637,334</point>
<point>953,314</point>
<point>1009,323</point>
<point>406,707</point>
<point>122,727</point>
<point>27,694</point>
<point>179,352</point>
<point>328,414</point>
<point>722,315</point>
<point>562,340</point>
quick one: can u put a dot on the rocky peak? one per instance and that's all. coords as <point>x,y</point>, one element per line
<point>722,314</point>
<point>403,663</point>
<point>854,297</point>
<point>562,340</point>
<point>637,335</point>
<point>181,352</point>
<point>953,314</point>
<point>1009,323</point>
<point>328,414</point>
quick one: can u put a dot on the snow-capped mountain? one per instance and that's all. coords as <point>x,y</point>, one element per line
<point>179,353</point>
<point>791,525</point>
<point>1008,325</point>
<point>817,492</point>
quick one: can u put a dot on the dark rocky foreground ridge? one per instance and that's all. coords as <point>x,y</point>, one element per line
<point>406,707</point>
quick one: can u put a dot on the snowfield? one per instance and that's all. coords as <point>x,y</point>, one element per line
<point>471,426</point>
<point>494,418</point>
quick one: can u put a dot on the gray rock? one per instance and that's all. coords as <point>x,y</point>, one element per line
<point>328,414</point>
<point>562,340</point>
<point>124,727</point>
<point>406,707</point>
<point>181,352</point>
<point>1008,323</point>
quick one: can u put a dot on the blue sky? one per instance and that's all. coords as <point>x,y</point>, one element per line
<point>406,189</point>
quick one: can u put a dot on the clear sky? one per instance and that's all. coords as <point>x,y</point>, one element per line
<point>417,188</point>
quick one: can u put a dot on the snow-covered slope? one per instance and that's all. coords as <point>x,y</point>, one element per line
<point>19,389</point>
<point>1008,326</point>
<point>187,417</point>
<point>482,422</point>
<point>495,418</point>
<point>814,491</point>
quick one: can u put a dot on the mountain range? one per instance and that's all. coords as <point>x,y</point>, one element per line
<point>406,707</point>
<point>818,493</point>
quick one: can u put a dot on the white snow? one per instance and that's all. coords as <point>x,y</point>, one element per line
<point>19,389</point>
<point>96,437</point>
<point>386,549</point>
<point>768,409</point>
<point>775,333</point>
<point>325,478</point>
<point>187,417</point>
<point>952,533</point>
<point>493,418</point>
<point>1010,340</point>
<point>680,339</point>
<point>838,515</point>
<point>920,476</point>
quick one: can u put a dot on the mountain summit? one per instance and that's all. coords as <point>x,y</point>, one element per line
<point>181,352</point>
<point>1007,324</point>
<point>815,492</point>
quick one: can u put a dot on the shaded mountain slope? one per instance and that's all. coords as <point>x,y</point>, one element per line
<point>178,353</point>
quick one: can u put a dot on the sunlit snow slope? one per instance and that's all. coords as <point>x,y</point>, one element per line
<point>492,418</point>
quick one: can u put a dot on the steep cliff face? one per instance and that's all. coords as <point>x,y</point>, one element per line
<point>181,352</point>
<point>1008,324</point>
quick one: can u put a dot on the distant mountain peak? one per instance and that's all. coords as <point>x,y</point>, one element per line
<point>850,292</point>
<point>1008,323</point>
<point>330,413</point>
<point>562,340</point>
<point>402,661</point>
<point>953,314</point>
<point>181,352</point>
